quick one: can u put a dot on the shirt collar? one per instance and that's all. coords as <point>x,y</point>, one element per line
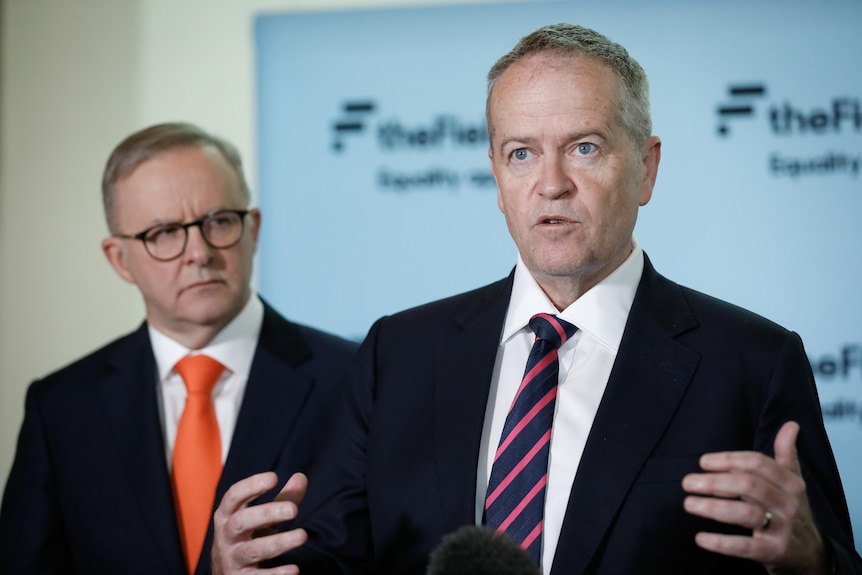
<point>233,346</point>
<point>601,312</point>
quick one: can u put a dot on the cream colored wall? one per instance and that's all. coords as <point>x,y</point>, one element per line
<point>76,78</point>
<point>70,86</point>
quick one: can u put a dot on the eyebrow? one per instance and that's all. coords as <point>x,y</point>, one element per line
<point>166,222</point>
<point>572,137</point>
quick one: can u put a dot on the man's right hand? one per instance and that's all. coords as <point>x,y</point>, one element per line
<point>245,535</point>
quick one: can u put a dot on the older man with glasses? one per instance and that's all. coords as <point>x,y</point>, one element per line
<point>123,454</point>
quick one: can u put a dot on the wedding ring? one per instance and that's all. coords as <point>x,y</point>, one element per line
<point>767,519</point>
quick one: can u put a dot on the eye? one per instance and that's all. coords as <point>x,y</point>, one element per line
<point>162,233</point>
<point>521,154</point>
<point>219,220</point>
<point>585,148</point>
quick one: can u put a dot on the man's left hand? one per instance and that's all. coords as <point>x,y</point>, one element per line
<point>766,495</point>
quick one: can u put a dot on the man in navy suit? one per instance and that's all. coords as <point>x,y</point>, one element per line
<point>90,490</point>
<point>687,433</point>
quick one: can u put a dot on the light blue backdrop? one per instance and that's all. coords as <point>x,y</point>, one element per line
<point>376,192</point>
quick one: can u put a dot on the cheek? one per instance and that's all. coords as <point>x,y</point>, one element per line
<point>514,210</point>
<point>239,262</point>
<point>506,197</point>
<point>159,287</point>
<point>142,270</point>
<point>620,192</point>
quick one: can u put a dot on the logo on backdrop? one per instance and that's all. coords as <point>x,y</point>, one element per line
<point>742,100</point>
<point>392,134</point>
<point>844,365</point>
<point>360,124</point>
<point>837,372</point>
<point>837,117</point>
<point>352,121</point>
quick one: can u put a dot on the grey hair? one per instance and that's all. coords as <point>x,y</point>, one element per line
<point>570,39</point>
<point>152,141</point>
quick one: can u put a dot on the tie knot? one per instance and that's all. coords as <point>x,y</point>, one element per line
<point>552,329</point>
<point>199,372</point>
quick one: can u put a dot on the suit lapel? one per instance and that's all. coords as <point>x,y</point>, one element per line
<point>647,382</point>
<point>274,395</point>
<point>128,390</point>
<point>463,370</point>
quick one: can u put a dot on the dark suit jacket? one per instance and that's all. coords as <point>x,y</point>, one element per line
<point>89,491</point>
<point>693,375</point>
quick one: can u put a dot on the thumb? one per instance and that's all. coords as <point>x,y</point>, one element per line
<point>785,446</point>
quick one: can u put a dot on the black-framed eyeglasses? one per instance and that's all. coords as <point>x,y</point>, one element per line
<point>220,229</point>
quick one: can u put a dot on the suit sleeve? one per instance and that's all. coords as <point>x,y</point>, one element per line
<point>825,492</point>
<point>845,561</point>
<point>335,511</point>
<point>32,535</point>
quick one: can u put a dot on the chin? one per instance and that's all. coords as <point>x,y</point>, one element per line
<point>213,311</point>
<point>557,265</point>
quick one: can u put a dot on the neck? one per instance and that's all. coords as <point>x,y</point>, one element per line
<point>565,288</point>
<point>195,338</point>
<point>195,335</point>
<point>563,291</point>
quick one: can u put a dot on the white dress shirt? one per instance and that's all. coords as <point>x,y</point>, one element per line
<point>234,348</point>
<point>585,362</point>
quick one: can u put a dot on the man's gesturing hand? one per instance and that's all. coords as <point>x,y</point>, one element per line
<point>766,495</point>
<point>245,535</point>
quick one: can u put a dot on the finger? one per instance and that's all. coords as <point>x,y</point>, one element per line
<point>241,493</point>
<point>732,461</point>
<point>733,485</point>
<point>756,549</point>
<point>785,447</point>
<point>748,464</point>
<point>280,570</point>
<point>294,490</point>
<point>259,517</point>
<point>730,511</point>
<point>254,551</point>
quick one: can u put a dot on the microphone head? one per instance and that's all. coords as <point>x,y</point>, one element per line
<point>475,550</point>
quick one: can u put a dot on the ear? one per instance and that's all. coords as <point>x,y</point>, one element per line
<point>254,213</point>
<point>115,253</point>
<point>494,173</point>
<point>254,228</point>
<point>650,158</point>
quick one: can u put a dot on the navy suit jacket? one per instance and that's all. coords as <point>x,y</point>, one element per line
<point>693,375</point>
<point>89,491</point>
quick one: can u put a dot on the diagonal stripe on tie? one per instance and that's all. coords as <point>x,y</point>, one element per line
<point>516,490</point>
<point>528,417</point>
<point>519,467</point>
<point>519,508</point>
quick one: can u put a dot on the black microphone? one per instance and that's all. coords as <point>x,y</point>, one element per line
<point>474,550</point>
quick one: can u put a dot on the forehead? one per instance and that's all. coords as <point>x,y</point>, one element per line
<point>177,184</point>
<point>550,86</point>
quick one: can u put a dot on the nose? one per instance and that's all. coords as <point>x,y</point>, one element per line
<point>554,180</point>
<point>198,251</point>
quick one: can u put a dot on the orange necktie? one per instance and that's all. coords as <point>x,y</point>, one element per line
<point>197,454</point>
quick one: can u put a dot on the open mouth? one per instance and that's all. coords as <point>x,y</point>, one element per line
<point>554,220</point>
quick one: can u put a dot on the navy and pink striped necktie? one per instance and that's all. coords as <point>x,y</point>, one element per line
<point>516,491</point>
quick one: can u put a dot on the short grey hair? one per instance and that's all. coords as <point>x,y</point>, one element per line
<point>152,141</point>
<point>570,39</point>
